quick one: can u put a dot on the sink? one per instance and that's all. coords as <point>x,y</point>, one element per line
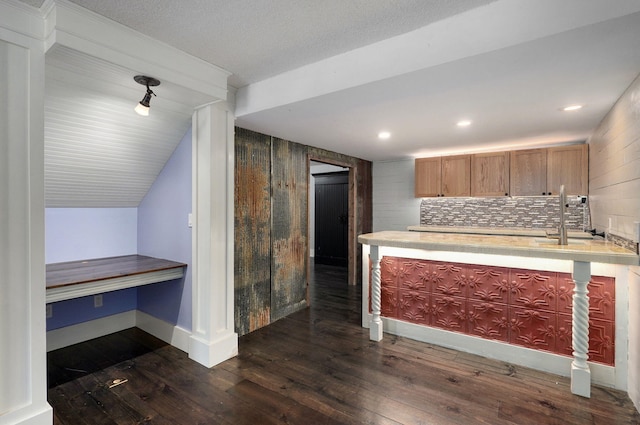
<point>570,241</point>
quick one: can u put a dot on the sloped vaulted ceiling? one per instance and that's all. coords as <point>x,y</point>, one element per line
<point>98,151</point>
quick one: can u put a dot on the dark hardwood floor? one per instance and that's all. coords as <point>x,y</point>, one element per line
<point>314,367</point>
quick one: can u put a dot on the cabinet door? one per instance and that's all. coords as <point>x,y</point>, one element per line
<point>490,174</point>
<point>427,177</point>
<point>456,175</point>
<point>528,176</point>
<point>568,166</point>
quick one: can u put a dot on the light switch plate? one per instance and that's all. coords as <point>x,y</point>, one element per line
<point>49,313</point>
<point>97,300</point>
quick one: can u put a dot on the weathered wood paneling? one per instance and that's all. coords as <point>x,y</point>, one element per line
<point>289,228</point>
<point>252,266</point>
<point>271,225</point>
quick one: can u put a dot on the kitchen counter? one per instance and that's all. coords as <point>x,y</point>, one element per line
<point>506,231</point>
<point>585,250</point>
<point>582,252</point>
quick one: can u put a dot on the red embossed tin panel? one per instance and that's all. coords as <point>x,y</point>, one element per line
<point>489,284</point>
<point>449,279</point>
<point>533,290</point>
<point>448,313</point>
<point>414,275</point>
<point>601,296</point>
<point>532,328</point>
<point>601,339</point>
<point>488,319</point>
<point>414,307</point>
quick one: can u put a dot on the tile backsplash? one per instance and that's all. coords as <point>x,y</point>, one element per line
<point>530,212</point>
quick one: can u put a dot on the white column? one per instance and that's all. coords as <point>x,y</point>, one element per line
<point>580,373</point>
<point>375,327</point>
<point>23,369</point>
<point>213,339</point>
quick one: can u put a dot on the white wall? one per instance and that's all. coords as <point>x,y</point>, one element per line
<point>614,192</point>
<point>394,206</point>
<point>614,167</point>
<point>634,337</point>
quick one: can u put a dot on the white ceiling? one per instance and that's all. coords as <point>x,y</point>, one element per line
<point>334,73</point>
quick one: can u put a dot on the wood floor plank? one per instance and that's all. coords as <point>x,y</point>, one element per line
<point>277,406</point>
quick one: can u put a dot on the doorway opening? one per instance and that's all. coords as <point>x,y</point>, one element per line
<point>333,209</point>
<point>329,220</point>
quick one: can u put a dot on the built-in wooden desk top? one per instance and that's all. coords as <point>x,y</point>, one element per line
<point>75,279</point>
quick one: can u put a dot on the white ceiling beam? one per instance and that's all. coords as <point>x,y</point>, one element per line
<point>495,26</point>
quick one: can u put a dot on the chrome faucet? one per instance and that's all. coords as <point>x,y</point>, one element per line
<point>562,229</point>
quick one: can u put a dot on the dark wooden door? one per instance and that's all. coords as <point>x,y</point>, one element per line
<point>331,218</point>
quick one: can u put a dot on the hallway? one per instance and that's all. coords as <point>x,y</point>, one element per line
<point>316,366</point>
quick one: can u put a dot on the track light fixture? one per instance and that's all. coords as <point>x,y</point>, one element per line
<point>142,107</point>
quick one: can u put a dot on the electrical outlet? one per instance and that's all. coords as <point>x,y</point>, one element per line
<point>49,313</point>
<point>97,300</point>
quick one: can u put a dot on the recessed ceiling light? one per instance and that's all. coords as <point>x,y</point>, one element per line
<point>384,135</point>
<point>464,123</point>
<point>572,108</point>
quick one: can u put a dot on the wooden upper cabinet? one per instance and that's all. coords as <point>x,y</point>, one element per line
<point>443,176</point>
<point>528,172</point>
<point>490,174</point>
<point>456,175</point>
<point>568,166</point>
<point>427,177</point>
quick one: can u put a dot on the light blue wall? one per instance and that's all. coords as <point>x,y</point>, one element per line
<point>78,310</point>
<point>163,232</point>
<point>158,228</point>
<point>84,233</point>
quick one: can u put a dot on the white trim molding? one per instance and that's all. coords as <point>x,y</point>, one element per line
<point>169,333</point>
<point>81,332</point>
<point>213,339</point>
<point>23,369</point>
<point>74,334</point>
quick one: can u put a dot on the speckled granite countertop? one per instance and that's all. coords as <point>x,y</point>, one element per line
<point>507,231</point>
<point>586,250</point>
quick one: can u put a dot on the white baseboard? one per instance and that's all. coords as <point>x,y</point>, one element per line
<point>32,414</point>
<point>534,359</point>
<point>169,333</point>
<point>74,334</point>
<point>211,353</point>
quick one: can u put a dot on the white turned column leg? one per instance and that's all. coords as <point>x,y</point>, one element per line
<point>580,373</point>
<point>375,326</point>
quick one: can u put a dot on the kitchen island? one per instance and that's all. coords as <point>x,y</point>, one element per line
<point>538,253</point>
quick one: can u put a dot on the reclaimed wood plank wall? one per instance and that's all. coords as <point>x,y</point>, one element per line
<point>252,265</point>
<point>271,225</point>
<point>289,228</point>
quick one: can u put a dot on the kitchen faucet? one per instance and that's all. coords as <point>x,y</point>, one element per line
<point>562,229</point>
